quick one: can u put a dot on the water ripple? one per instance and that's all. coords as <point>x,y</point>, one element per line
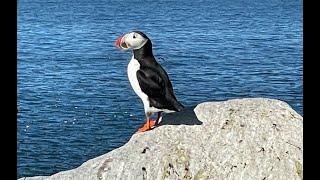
<point>74,99</point>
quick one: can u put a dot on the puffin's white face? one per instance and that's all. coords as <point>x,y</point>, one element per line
<point>131,40</point>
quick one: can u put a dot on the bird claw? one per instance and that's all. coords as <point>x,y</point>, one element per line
<point>147,126</point>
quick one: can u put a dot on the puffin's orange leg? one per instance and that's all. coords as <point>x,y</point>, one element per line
<point>147,126</point>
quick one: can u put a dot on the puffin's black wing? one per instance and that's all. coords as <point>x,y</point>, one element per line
<point>151,83</point>
<point>158,88</point>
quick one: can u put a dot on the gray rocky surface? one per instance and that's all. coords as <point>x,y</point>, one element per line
<point>253,138</point>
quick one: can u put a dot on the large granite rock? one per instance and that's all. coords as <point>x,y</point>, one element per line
<point>253,138</point>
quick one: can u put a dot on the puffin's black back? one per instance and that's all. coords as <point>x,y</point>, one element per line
<point>153,79</point>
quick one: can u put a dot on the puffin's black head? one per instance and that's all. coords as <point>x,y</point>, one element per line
<point>133,40</point>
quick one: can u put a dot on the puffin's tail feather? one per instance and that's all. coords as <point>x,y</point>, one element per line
<point>178,106</point>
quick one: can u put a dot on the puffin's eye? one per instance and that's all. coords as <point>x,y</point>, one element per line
<point>134,36</point>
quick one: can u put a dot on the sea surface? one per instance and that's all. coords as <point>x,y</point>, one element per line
<point>75,101</point>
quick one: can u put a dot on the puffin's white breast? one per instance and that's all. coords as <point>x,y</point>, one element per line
<point>133,67</point>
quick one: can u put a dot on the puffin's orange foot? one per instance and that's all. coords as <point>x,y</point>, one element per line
<point>147,126</point>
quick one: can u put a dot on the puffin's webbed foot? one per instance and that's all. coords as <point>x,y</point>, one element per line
<point>147,126</point>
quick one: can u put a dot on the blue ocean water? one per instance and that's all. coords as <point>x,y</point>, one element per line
<point>74,99</point>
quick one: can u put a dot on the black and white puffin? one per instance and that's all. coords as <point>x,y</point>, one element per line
<point>148,79</point>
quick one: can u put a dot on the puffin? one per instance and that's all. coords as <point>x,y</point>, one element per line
<point>148,79</point>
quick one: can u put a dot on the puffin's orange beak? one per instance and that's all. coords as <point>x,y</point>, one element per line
<point>118,42</point>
